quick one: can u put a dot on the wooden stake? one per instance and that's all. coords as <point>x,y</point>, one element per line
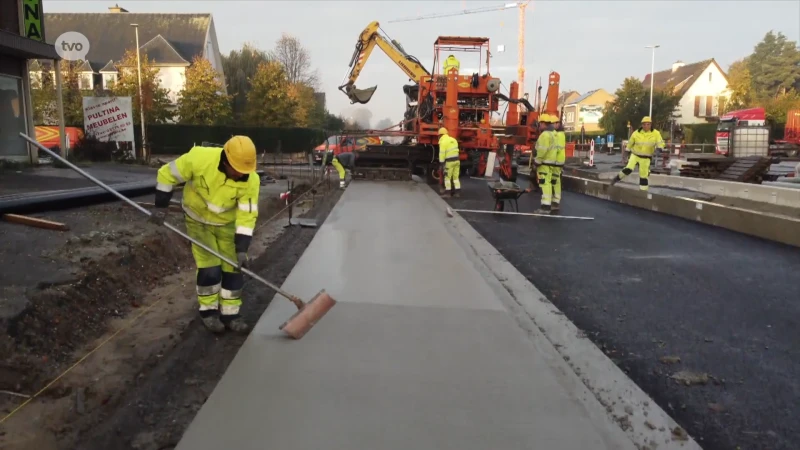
<point>35,222</point>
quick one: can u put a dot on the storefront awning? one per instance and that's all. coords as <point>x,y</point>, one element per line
<point>21,47</point>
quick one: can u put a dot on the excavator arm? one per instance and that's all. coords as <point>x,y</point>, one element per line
<point>367,41</point>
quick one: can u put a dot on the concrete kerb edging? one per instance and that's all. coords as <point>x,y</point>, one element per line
<point>615,396</point>
<point>768,226</point>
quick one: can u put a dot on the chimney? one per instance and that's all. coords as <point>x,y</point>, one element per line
<point>117,9</point>
<point>677,65</point>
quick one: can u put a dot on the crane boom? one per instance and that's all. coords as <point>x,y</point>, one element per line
<point>368,39</point>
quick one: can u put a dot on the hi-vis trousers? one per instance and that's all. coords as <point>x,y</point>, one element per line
<point>452,170</point>
<point>340,170</point>
<point>219,285</point>
<point>644,170</point>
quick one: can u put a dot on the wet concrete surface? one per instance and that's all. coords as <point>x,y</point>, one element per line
<point>665,296</point>
<point>418,353</point>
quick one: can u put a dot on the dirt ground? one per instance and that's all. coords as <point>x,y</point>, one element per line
<point>130,287</point>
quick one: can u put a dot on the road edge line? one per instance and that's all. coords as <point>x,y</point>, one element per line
<point>604,380</point>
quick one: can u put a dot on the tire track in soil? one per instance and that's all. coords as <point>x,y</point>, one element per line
<point>166,396</point>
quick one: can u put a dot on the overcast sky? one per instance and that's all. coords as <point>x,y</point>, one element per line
<point>592,44</point>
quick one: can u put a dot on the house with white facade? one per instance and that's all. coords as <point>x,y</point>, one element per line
<point>703,87</point>
<point>170,41</point>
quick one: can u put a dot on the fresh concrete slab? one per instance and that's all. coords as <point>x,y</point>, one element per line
<point>421,352</point>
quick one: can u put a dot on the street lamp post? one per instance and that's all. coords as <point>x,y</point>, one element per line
<point>652,76</point>
<point>141,97</point>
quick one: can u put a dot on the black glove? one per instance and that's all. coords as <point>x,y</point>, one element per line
<point>243,260</point>
<point>158,216</point>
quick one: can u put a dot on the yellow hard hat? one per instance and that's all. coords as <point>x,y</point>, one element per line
<point>241,154</point>
<point>546,118</point>
<point>646,119</point>
<point>442,131</point>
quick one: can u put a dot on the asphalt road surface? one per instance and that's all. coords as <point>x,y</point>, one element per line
<point>705,320</point>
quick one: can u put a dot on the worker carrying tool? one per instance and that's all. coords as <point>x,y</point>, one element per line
<point>340,162</point>
<point>451,62</point>
<point>546,159</point>
<point>451,164</point>
<point>220,204</point>
<point>642,145</point>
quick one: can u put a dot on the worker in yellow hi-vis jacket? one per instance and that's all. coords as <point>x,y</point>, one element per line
<point>642,144</point>
<point>544,159</point>
<point>451,63</point>
<point>557,168</point>
<point>451,164</point>
<point>220,203</point>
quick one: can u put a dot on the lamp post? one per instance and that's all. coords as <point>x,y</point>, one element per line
<point>652,76</point>
<point>141,97</point>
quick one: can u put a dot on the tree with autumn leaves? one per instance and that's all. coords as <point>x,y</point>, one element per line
<point>157,105</point>
<point>203,101</point>
<point>769,78</point>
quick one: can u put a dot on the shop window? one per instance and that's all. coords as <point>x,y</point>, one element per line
<point>12,117</point>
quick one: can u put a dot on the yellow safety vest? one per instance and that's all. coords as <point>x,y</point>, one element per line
<point>451,62</point>
<point>210,197</point>
<point>448,149</point>
<point>643,143</point>
<point>546,148</point>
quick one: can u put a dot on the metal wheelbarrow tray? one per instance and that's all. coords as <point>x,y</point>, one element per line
<point>506,191</point>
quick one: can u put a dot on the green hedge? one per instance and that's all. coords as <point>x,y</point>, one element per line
<point>701,133</point>
<point>178,139</point>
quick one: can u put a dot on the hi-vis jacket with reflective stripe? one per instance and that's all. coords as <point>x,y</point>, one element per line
<point>448,149</point>
<point>644,143</point>
<point>211,197</point>
<point>546,148</point>
<point>561,148</point>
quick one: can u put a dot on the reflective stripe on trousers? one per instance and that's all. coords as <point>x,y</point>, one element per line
<point>545,182</point>
<point>219,285</point>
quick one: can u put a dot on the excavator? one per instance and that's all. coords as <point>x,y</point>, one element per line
<point>462,103</point>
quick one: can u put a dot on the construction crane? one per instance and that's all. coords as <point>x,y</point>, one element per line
<point>521,38</point>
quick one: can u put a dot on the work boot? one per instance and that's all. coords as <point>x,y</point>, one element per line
<point>616,180</point>
<point>555,207</point>
<point>213,324</point>
<point>457,194</point>
<point>544,209</point>
<point>235,324</point>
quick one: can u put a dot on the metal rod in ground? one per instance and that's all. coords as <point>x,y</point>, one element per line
<point>557,216</point>
<point>299,303</point>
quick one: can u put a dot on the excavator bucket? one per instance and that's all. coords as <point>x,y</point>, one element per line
<point>361,95</point>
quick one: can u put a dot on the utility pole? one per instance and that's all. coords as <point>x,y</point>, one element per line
<point>652,76</point>
<point>145,154</point>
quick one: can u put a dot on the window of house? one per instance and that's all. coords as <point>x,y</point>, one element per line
<point>709,76</point>
<point>85,81</point>
<point>108,80</point>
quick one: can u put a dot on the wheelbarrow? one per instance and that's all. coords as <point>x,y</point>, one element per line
<point>506,191</point>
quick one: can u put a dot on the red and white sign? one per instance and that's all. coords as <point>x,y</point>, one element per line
<point>591,153</point>
<point>108,118</point>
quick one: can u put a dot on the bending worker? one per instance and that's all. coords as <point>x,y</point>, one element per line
<point>448,158</point>
<point>220,203</point>
<point>451,62</point>
<point>545,160</point>
<point>340,162</point>
<point>642,145</point>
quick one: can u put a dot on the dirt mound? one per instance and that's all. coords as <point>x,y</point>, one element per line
<point>61,318</point>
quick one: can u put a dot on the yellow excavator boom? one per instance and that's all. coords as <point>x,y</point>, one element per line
<point>367,41</point>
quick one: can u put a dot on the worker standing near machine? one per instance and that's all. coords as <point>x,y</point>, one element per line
<point>340,162</point>
<point>545,159</point>
<point>451,164</point>
<point>451,62</point>
<point>642,144</point>
<point>220,204</point>
<point>557,168</point>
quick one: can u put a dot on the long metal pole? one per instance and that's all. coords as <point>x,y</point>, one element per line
<point>652,76</point>
<point>141,209</point>
<point>141,97</point>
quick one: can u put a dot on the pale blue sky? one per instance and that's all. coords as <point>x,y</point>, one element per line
<point>592,44</point>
